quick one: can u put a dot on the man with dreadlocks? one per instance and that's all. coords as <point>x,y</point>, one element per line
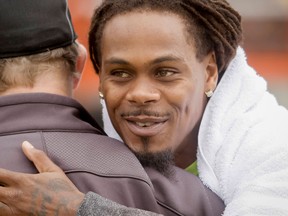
<point>177,88</point>
<point>176,84</point>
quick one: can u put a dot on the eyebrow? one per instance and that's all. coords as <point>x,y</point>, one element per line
<point>166,58</point>
<point>115,60</point>
<point>119,61</point>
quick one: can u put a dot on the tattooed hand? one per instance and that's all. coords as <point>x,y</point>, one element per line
<point>48,193</point>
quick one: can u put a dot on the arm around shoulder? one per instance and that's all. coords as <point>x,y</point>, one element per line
<point>95,205</point>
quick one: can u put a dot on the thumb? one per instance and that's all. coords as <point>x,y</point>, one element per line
<point>39,158</point>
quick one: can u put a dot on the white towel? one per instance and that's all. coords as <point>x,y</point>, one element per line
<point>243,144</point>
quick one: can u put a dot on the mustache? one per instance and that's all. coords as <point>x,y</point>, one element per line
<point>145,112</point>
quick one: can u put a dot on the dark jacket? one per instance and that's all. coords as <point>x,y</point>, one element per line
<point>94,162</point>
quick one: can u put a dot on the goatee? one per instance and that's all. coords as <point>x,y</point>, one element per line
<point>161,161</point>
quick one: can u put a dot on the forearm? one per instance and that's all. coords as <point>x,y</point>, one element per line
<point>95,205</point>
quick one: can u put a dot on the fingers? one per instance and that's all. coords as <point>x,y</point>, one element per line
<point>8,178</point>
<point>39,158</point>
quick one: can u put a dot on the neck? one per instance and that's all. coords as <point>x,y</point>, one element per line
<point>45,84</point>
<point>19,90</point>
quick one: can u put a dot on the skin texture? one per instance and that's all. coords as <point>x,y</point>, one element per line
<point>49,193</point>
<point>150,76</point>
<point>150,69</point>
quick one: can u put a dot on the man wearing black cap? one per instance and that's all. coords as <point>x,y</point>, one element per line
<point>40,63</point>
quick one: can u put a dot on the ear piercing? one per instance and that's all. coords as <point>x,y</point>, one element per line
<point>209,93</point>
<point>101,95</point>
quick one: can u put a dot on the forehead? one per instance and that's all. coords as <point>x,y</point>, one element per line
<point>148,28</point>
<point>144,17</point>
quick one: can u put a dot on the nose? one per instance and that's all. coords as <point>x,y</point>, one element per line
<point>143,92</point>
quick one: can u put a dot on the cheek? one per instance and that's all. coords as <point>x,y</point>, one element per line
<point>189,107</point>
<point>193,115</point>
<point>112,97</point>
<point>112,94</point>
<point>115,99</point>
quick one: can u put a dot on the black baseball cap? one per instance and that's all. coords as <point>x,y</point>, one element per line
<point>33,26</point>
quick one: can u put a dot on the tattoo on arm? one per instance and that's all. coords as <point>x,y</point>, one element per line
<point>58,185</point>
<point>42,201</point>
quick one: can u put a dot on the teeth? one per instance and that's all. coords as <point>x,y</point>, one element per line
<point>144,124</point>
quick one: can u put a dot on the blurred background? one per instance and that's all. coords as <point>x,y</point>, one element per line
<point>265,26</point>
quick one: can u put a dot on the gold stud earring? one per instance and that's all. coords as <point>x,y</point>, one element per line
<point>209,93</point>
<point>101,95</point>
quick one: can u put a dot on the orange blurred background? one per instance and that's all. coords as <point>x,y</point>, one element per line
<point>87,92</point>
<point>270,61</point>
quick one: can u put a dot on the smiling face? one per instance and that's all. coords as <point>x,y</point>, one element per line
<point>152,82</point>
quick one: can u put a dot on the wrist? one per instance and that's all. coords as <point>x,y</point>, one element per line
<point>75,204</point>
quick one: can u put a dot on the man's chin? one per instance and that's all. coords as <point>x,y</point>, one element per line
<point>162,161</point>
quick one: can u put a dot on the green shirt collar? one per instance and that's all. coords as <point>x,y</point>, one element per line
<point>193,168</point>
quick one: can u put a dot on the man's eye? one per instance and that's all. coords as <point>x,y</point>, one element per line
<point>164,73</point>
<point>121,74</point>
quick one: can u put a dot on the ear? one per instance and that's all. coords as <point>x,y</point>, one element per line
<point>100,81</point>
<point>211,72</point>
<point>81,60</point>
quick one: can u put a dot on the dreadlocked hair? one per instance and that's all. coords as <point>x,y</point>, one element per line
<point>213,25</point>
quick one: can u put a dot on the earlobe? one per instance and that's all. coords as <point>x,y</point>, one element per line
<point>211,73</point>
